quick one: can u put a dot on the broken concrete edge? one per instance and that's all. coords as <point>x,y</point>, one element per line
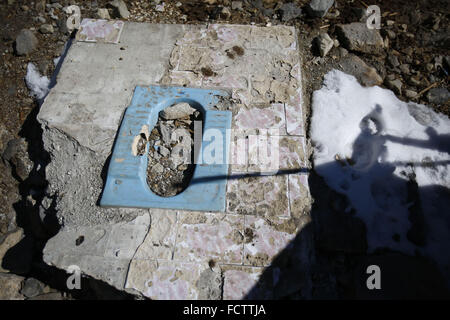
<point>75,167</point>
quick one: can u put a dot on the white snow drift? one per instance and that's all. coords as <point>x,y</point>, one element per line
<point>367,144</point>
<point>38,85</point>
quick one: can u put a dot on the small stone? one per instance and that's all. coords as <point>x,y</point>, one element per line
<point>164,151</point>
<point>26,42</point>
<point>160,7</point>
<point>157,169</point>
<point>165,131</point>
<point>10,285</point>
<point>177,111</point>
<point>411,94</point>
<point>393,60</point>
<point>357,37</point>
<point>414,81</point>
<point>32,287</point>
<point>319,8</point>
<point>324,43</point>
<point>236,5</point>
<point>17,155</point>
<point>46,29</point>
<point>391,34</point>
<point>40,6</point>
<point>395,85</point>
<point>390,77</point>
<point>290,11</point>
<point>365,74</point>
<point>41,19</point>
<point>438,95</point>
<point>102,13</point>
<point>25,8</point>
<point>343,52</point>
<point>404,68</point>
<point>429,67</point>
<point>225,13</point>
<point>121,7</point>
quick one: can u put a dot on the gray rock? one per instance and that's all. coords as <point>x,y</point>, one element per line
<point>40,6</point>
<point>236,5</point>
<point>391,34</point>
<point>103,13</point>
<point>393,60</point>
<point>365,74</point>
<point>225,13</point>
<point>319,8</point>
<point>32,287</point>
<point>290,11</point>
<point>395,85</point>
<point>324,44</point>
<point>343,52</point>
<point>438,95</point>
<point>157,168</point>
<point>414,81</point>
<point>10,285</point>
<point>177,111</point>
<point>26,42</point>
<point>121,8</point>
<point>17,155</point>
<point>404,68</point>
<point>46,29</point>
<point>166,132</point>
<point>164,151</point>
<point>357,37</point>
<point>411,94</point>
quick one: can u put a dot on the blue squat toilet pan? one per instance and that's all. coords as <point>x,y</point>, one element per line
<point>126,182</point>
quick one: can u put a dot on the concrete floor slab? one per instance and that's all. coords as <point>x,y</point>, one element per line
<point>209,237</point>
<point>164,254</point>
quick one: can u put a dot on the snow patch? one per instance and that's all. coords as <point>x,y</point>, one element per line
<point>38,85</point>
<point>367,145</point>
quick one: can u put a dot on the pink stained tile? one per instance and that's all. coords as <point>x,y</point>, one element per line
<point>238,283</point>
<point>164,280</point>
<point>299,194</point>
<point>97,30</point>
<point>209,236</point>
<point>294,115</point>
<point>272,116</point>
<point>263,241</point>
<point>258,195</point>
